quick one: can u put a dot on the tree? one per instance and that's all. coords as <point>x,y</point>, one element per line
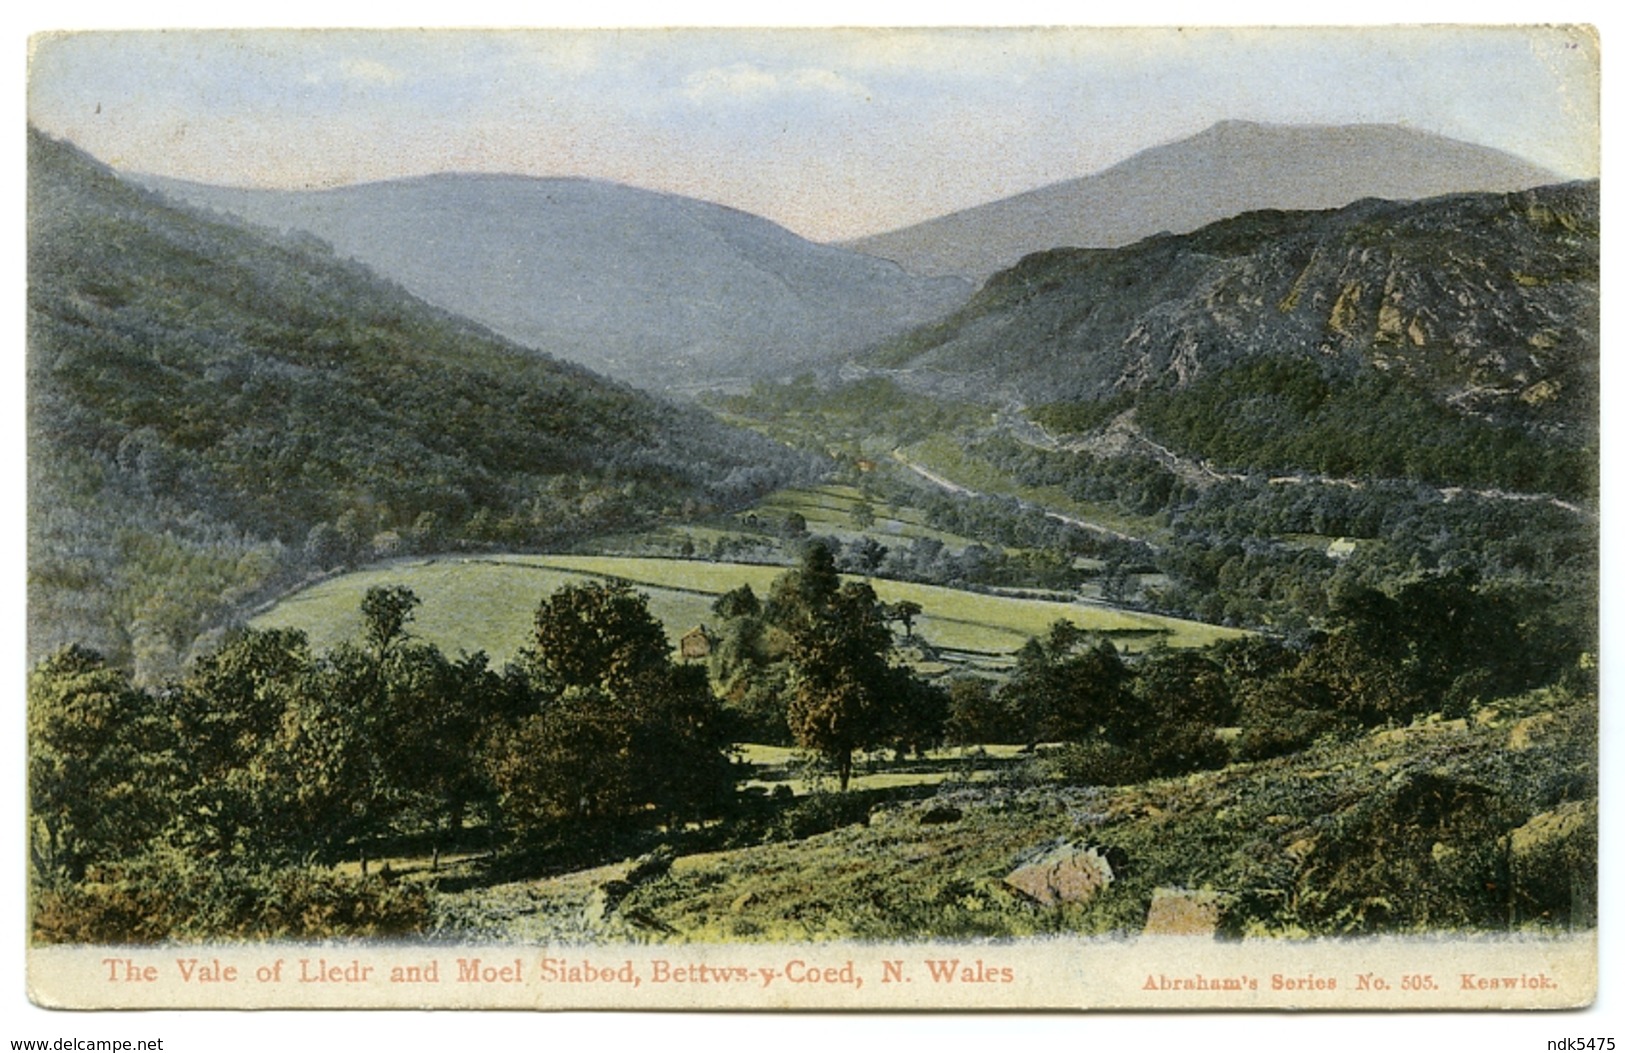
<point>842,682</point>
<point>385,612</point>
<point>976,714</point>
<point>1438,641</point>
<point>231,700</point>
<point>737,603</point>
<point>1185,687</point>
<point>745,668</point>
<point>798,595</point>
<point>436,712</point>
<point>865,555</point>
<point>593,634</point>
<point>100,769</point>
<point>919,713</point>
<point>905,611</point>
<point>228,713</point>
<point>1063,688</point>
<point>567,762</point>
<point>617,727</point>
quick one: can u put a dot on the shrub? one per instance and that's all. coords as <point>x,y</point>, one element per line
<point>820,813</point>
<point>1096,763</point>
<point>153,899</point>
<point>1427,852</point>
<point>1283,715</point>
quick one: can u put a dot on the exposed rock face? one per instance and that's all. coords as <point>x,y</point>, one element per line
<point>1064,873</point>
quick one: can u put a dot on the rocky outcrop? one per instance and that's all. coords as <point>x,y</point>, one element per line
<point>1066,872</point>
<point>1184,912</point>
<point>1486,300</point>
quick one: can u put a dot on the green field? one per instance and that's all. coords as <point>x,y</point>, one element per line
<point>486,603</point>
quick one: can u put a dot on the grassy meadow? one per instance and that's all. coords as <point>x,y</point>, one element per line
<point>833,509</point>
<point>473,603</point>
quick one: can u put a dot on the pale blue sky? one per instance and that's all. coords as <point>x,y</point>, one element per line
<point>834,134</point>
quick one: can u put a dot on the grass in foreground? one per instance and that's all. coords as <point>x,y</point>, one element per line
<point>1392,831</point>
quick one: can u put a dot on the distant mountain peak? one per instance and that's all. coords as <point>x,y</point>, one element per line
<point>1229,168</point>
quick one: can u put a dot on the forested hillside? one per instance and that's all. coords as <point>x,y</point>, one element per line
<point>214,414</point>
<point>1466,321</point>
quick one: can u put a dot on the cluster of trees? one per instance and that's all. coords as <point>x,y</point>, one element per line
<point>1234,557</point>
<point>1248,551</point>
<point>1139,485</point>
<point>1438,643</point>
<point>266,752</point>
<point>1116,719</point>
<point>930,560</point>
<point>1284,413</point>
<point>266,755</point>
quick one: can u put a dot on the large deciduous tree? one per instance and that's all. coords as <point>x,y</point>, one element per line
<point>843,686</point>
<point>596,635</point>
<point>616,727</point>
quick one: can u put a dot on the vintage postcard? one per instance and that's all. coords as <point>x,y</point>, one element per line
<point>859,519</point>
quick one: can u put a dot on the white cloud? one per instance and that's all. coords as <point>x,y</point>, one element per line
<point>747,81</point>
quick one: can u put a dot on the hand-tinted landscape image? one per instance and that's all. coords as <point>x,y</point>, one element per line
<point>785,487</point>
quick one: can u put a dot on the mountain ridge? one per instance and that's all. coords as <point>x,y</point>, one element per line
<point>214,414</point>
<point>649,287</point>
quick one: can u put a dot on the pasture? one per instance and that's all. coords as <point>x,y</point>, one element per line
<point>474,603</point>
